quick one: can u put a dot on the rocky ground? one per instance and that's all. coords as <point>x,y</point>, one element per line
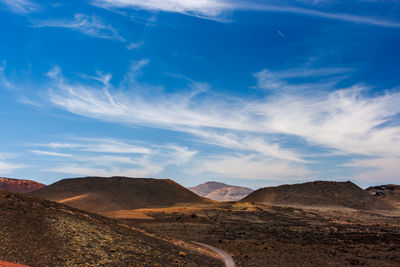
<point>259,235</point>
<point>37,232</point>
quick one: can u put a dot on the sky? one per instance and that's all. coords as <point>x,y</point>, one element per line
<point>253,93</point>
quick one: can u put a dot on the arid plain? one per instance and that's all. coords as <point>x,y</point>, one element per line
<point>122,221</point>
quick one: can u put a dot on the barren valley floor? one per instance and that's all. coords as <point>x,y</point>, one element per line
<point>261,235</point>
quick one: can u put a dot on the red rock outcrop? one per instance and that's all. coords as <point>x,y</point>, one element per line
<point>19,185</point>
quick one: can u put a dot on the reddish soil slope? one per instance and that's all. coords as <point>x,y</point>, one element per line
<point>19,185</point>
<point>319,193</point>
<point>38,232</point>
<point>99,194</point>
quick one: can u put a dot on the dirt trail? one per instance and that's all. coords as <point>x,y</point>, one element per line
<point>228,260</point>
<point>194,246</point>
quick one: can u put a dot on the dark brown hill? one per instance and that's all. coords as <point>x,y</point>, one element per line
<point>19,185</point>
<point>221,192</point>
<point>387,192</point>
<point>100,194</point>
<point>318,193</point>
<point>38,232</point>
<point>387,189</point>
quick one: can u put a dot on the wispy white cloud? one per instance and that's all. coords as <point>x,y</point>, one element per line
<point>251,167</point>
<point>202,8</point>
<point>304,72</point>
<point>108,157</point>
<point>386,169</point>
<point>179,155</point>
<point>349,121</point>
<point>246,142</point>
<point>81,170</point>
<point>113,146</point>
<point>285,8</point>
<point>49,153</point>
<point>106,160</point>
<point>7,167</point>
<point>213,9</point>
<point>133,46</point>
<point>21,6</point>
<point>99,145</point>
<point>173,113</point>
<point>88,25</point>
<point>323,78</point>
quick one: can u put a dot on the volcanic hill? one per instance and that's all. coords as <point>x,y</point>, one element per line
<point>319,193</point>
<point>220,191</point>
<point>19,185</point>
<point>99,194</point>
<point>38,232</point>
<point>387,192</point>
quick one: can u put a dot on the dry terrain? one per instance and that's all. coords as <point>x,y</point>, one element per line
<point>37,232</point>
<point>154,221</point>
<point>99,194</point>
<point>310,224</point>
<point>263,235</point>
<point>389,193</point>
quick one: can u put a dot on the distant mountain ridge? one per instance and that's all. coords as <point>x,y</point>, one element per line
<point>220,191</point>
<point>319,193</point>
<point>19,185</point>
<point>106,194</point>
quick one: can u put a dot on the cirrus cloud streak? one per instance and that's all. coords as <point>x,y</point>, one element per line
<point>349,121</point>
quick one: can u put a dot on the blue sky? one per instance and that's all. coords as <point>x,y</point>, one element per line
<point>253,93</point>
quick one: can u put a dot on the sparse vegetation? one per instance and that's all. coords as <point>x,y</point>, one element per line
<point>38,232</point>
<point>264,235</point>
<point>332,223</point>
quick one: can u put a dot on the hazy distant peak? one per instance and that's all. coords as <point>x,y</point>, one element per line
<point>220,191</point>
